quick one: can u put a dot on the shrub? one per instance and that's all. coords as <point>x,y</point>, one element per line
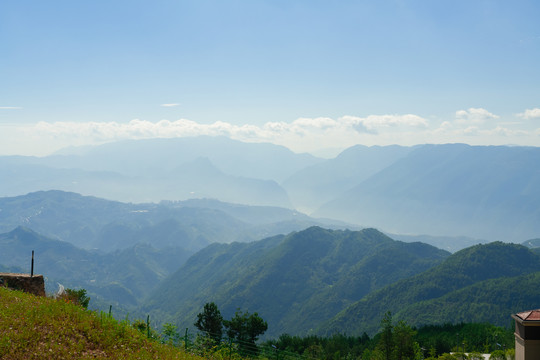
<point>77,297</point>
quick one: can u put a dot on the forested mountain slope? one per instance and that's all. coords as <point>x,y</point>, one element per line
<point>456,284</point>
<point>123,277</point>
<point>294,281</point>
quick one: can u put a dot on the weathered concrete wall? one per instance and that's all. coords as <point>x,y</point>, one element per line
<point>33,285</point>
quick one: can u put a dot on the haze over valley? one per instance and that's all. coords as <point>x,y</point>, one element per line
<point>323,165</point>
<point>482,192</point>
<point>244,244</point>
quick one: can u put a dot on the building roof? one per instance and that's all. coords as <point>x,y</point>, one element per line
<point>531,315</point>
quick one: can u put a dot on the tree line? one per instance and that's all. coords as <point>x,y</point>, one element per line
<point>399,341</point>
<point>394,341</point>
<point>243,328</point>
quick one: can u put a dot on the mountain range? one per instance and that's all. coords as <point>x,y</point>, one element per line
<point>122,277</point>
<point>315,185</point>
<point>294,281</point>
<point>488,192</point>
<point>161,169</point>
<point>313,281</point>
<point>324,282</point>
<point>162,226</point>
<point>93,223</point>
<point>119,251</point>
<point>482,283</point>
<point>480,192</point>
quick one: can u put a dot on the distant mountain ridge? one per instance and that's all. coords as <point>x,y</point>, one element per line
<point>315,185</point>
<point>489,192</point>
<point>90,222</point>
<point>152,170</point>
<point>263,161</point>
<point>452,190</point>
<point>293,281</point>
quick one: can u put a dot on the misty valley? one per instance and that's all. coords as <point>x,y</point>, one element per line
<point>433,234</point>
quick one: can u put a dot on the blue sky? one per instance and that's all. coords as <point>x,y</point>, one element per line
<point>310,75</point>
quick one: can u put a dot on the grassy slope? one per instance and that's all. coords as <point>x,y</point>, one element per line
<point>36,327</point>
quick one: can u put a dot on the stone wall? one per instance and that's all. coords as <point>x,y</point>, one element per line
<point>30,284</point>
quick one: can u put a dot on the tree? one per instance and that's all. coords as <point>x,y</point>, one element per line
<point>397,342</point>
<point>386,342</point>
<point>78,297</point>
<point>210,322</point>
<point>511,354</point>
<point>447,356</point>
<point>245,328</point>
<point>170,334</point>
<point>475,356</point>
<point>404,341</point>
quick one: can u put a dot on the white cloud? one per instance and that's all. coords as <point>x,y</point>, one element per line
<point>372,123</point>
<point>170,105</point>
<point>496,135</point>
<point>446,125</point>
<point>530,114</point>
<point>303,134</point>
<point>300,135</point>
<point>502,131</point>
<point>316,123</point>
<point>474,116</point>
<point>10,108</point>
<point>471,130</point>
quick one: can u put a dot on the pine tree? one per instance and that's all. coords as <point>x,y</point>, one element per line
<point>210,322</point>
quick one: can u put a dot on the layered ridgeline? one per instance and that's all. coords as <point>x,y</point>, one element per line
<point>161,169</point>
<point>482,192</point>
<point>294,282</point>
<point>489,192</point>
<point>121,278</point>
<point>118,251</point>
<point>94,223</point>
<point>532,243</point>
<point>315,185</point>
<point>483,283</point>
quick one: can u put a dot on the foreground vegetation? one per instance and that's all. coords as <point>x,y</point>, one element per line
<point>34,327</point>
<point>394,341</point>
<point>37,327</point>
<point>397,340</point>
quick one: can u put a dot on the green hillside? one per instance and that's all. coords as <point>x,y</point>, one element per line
<point>295,281</point>
<point>490,301</point>
<point>33,327</point>
<point>474,284</point>
<point>123,277</point>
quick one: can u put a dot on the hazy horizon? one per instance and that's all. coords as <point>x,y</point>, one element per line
<point>307,75</point>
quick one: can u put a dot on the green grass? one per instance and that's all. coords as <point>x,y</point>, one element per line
<point>33,327</point>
